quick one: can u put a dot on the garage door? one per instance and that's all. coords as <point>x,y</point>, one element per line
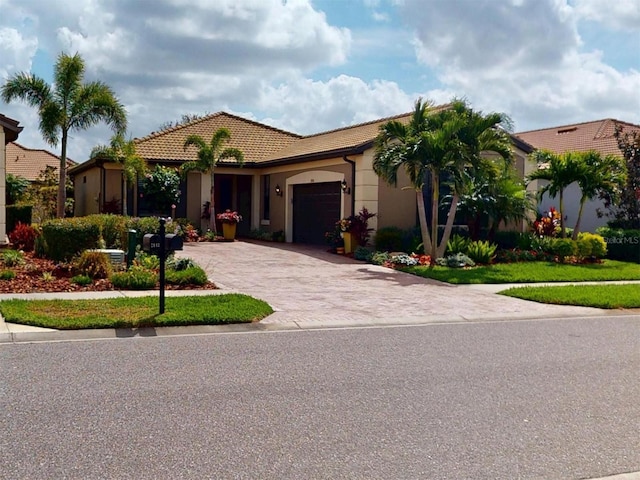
<point>316,209</point>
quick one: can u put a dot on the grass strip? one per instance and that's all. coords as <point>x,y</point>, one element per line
<point>532,272</point>
<point>135,312</point>
<point>598,296</point>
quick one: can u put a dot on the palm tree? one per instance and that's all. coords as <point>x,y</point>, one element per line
<point>209,154</point>
<point>560,171</point>
<point>67,106</point>
<point>448,142</point>
<point>599,176</point>
<point>124,152</point>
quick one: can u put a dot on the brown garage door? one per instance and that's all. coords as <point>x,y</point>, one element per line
<point>316,209</point>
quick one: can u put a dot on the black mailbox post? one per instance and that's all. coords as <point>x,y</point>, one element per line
<point>161,244</point>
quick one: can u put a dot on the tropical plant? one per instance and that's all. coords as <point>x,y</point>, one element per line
<point>16,188</point>
<point>12,258</point>
<point>124,152</point>
<point>603,176</point>
<point>447,143</point>
<point>208,156</point>
<point>481,251</point>
<point>559,171</point>
<point>626,212</point>
<point>457,244</point>
<point>67,106</point>
<point>162,184</point>
<point>23,237</point>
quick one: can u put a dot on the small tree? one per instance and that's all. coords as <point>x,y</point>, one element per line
<point>124,152</point>
<point>162,185</point>
<point>17,187</point>
<point>626,212</point>
<point>209,154</point>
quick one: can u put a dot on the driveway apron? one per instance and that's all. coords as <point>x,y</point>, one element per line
<point>308,285</point>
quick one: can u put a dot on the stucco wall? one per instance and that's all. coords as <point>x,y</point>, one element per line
<point>397,205</point>
<point>87,191</point>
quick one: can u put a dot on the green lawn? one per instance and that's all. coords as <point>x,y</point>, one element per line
<point>135,312</point>
<point>532,272</point>
<point>598,296</point>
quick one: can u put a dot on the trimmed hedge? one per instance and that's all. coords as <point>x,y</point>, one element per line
<point>621,244</point>
<point>66,237</point>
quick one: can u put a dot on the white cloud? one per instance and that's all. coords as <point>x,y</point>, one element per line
<point>619,14</point>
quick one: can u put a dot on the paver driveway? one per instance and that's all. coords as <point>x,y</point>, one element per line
<point>308,285</point>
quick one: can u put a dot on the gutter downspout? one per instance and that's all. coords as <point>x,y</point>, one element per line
<point>353,183</point>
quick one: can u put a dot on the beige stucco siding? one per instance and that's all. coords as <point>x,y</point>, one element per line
<point>397,205</point>
<point>87,192</point>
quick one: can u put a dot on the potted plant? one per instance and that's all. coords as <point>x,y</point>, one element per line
<point>344,226</point>
<point>229,221</point>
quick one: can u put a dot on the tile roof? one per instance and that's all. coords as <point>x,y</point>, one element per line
<point>596,135</point>
<point>341,139</point>
<point>28,162</point>
<point>11,128</point>
<point>256,141</point>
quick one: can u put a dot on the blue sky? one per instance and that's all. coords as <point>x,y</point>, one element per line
<point>314,65</point>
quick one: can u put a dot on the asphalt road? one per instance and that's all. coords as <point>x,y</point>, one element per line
<point>504,400</point>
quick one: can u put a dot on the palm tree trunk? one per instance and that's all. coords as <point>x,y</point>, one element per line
<point>212,210</point>
<point>124,195</point>
<point>576,229</point>
<point>62,179</point>
<point>422,217</point>
<point>449,226</point>
<point>561,209</point>
<point>435,197</point>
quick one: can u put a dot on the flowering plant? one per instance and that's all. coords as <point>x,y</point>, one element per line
<point>344,225</point>
<point>229,217</point>
<point>548,225</point>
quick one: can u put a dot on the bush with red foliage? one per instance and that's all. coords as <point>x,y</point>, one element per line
<point>23,237</point>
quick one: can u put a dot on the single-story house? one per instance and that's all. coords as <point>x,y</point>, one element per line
<point>597,135</point>
<point>9,131</point>
<point>297,184</point>
<point>29,162</point>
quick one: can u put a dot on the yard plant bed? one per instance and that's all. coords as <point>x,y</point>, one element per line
<point>531,272</point>
<point>597,296</point>
<point>135,312</point>
<point>41,275</point>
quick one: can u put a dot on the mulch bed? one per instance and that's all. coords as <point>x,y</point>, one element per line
<point>32,277</point>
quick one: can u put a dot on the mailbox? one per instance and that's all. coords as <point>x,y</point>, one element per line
<point>151,243</point>
<point>172,242</point>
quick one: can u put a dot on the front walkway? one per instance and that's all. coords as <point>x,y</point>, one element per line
<point>311,287</point>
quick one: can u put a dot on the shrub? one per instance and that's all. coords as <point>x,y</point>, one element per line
<point>190,276</point>
<point>508,239</point>
<point>481,251</point>
<point>113,229</point>
<point>142,226</point>
<point>459,260</point>
<point>362,254</point>
<point>379,258</point>
<point>93,264</point>
<point>591,245</point>
<point>23,237</point>
<point>40,247</point>
<point>7,275</point>
<point>18,214</point>
<point>178,264</point>
<point>457,244</point>
<point>146,261</point>
<point>134,279</point>
<point>82,280</point>
<point>389,239</point>
<point>563,247</point>
<point>12,258</point>
<point>67,237</point>
<point>621,244</point>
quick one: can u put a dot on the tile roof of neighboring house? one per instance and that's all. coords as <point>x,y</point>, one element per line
<point>334,142</point>
<point>257,141</point>
<point>28,162</point>
<point>596,135</point>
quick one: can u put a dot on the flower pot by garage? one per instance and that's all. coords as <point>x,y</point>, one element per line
<point>349,242</point>
<point>229,231</point>
<point>340,250</point>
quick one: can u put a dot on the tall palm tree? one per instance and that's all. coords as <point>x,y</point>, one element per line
<point>209,154</point>
<point>447,142</point>
<point>66,106</point>
<point>560,171</point>
<point>124,152</point>
<point>599,176</point>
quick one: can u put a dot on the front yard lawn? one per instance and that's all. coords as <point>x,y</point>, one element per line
<point>135,312</point>
<point>532,272</point>
<point>598,296</point>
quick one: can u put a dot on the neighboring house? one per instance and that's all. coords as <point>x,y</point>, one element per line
<point>29,163</point>
<point>9,131</point>
<point>297,184</point>
<point>581,137</point>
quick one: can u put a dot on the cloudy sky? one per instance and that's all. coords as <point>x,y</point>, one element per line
<point>311,65</point>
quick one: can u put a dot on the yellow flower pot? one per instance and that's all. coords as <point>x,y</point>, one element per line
<point>349,242</point>
<point>229,231</point>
